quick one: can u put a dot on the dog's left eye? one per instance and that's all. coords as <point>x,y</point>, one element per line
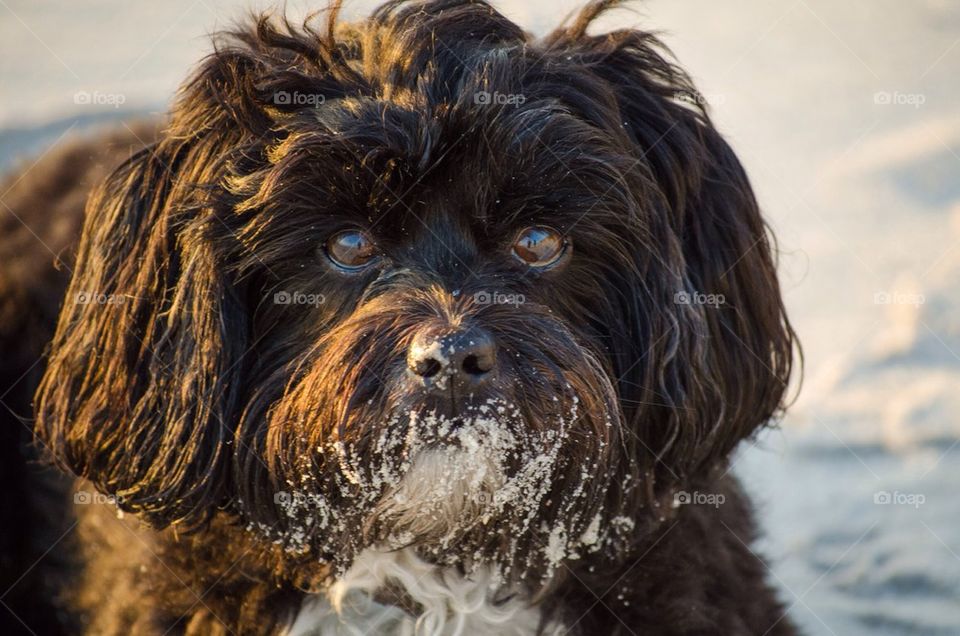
<point>539,246</point>
<point>350,250</point>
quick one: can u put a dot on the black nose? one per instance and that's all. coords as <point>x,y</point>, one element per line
<point>466,356</point>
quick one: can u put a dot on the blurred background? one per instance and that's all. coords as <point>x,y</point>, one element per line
<point>847,117</point>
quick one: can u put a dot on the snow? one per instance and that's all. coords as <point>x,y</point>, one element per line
<point>845,115</point>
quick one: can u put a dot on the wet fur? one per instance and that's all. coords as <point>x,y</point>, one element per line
<point>195,399</point>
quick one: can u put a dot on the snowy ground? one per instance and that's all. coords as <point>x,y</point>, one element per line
<point>847,117</point>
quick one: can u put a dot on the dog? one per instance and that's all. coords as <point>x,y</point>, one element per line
<point>417,324</point>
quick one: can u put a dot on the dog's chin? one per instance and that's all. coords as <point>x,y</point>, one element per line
<point>447,491</point>
<point>452,473</point>
<point>470,483</point>
<point>502,484</point>
<point>453,481</point>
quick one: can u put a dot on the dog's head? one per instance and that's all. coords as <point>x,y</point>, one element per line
<point>421,280</point>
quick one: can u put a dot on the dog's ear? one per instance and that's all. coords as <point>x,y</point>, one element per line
<point>146,370</point>
<point>712,347</point>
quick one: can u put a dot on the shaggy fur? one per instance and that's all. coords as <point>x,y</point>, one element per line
<point>258,448</point>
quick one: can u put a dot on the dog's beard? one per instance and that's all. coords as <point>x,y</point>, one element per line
<point>448,486</point>
<point>454,488</point>
<point>462,477</point>
<point>481,489</point>
<point>517,480</point>
<point>443,491</point>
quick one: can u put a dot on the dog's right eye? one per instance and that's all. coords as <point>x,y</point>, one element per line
<point>350,250</point>
<point>540,247</point>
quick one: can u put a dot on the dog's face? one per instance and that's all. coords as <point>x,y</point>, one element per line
<point>425,282</point>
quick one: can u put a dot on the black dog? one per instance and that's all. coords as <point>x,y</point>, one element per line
<point>415,318</point>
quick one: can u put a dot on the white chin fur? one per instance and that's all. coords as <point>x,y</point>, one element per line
<point>445,490</point>
<point>453,604</point>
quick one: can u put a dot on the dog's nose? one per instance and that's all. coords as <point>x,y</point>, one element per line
<point>467,356</point>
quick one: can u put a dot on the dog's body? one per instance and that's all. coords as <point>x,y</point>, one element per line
<point>502,409</point>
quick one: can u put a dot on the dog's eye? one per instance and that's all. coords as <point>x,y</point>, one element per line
<point>539,246</point>
<point>350,250</point>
